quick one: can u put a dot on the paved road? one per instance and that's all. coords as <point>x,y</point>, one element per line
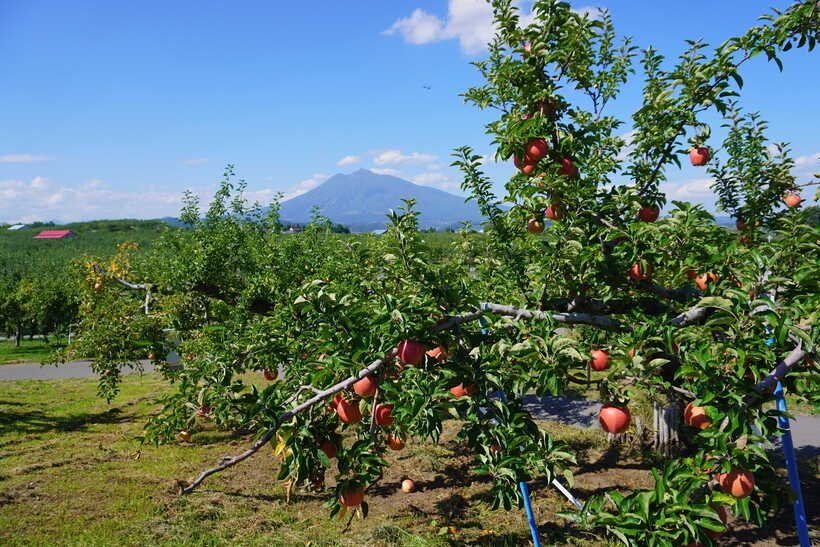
<point>571,411</point>
<point>72,369</point>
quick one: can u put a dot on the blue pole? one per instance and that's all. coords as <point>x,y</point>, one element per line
<point>791,467</point>
<point>530,517</point>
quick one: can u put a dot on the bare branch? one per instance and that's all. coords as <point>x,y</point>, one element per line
<point>319,397</point>
<point>601,321</point>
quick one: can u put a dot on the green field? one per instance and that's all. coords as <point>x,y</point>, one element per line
<point>30,351</point>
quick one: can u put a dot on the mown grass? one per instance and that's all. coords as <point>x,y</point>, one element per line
<point>73,473</point>
<point>30,351</point>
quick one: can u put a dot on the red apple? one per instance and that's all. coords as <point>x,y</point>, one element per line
<point>699,156</point>
<point>739,483</point>
<point>395,442</point>
<point>703,280</point>
<point>740,225</point>
<point>458,391</point>
<point>525,166</point>
<point>348,412</point>
<point>649,213</point>
<point>204,411</point>
<point>640,272</point>
<point>439,353</point>
<point>352,497</point>
<point>535,226</point>
<point>329,448</point>
<point>695,416</point>
<point>599,359</point>
<point>270,375</point>
<point>723,515</point>
<point>410,352</point>
<point>536,149</point>
<point>568,168</point>
<point>554,212</point>
<point>366,387</point>
<point>408,486</point>
<point>384,415</point>
<point>792,200</point>
<point>614,419</point>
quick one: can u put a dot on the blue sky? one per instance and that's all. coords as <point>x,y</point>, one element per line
<point>112,109</point>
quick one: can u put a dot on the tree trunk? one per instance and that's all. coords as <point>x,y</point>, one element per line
<point>18,335</point>
<point>666,421</point>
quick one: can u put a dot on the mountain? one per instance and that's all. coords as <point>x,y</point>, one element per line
<point>361,200</point>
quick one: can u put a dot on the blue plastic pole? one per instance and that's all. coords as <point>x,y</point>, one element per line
<point>530,517</point>
<point>791,467</point>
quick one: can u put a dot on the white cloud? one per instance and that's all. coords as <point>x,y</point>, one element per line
<point>195,161</point>
<point>305,185</point>
<point>697,190</point>
<point>396,157</point>
<point>420,28</point>
<point>386,171</point>
<point>348,160</point>
<point>23,158</point>
<point>807,161</point>
<point>45,199</point>
<point>469,21</point>
<point>436,180</point>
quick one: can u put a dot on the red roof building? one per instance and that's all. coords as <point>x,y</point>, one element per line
<point>55,234</point>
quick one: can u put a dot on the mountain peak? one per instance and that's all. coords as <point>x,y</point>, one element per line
<point>361,200</point>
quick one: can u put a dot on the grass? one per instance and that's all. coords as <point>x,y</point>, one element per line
<point>30,351</point>
<point>73,473</point>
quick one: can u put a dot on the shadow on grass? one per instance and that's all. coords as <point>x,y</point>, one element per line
<point>37,421</point>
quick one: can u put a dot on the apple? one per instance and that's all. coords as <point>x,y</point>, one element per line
<point>536,150</point>
<point>695,416</point>
<point>97,286</point>
<point>184,436</point>
<point>366,387</point>
<point>740,224</point>
<point>690,273</point>
<point>792,200</point>
<point>614,419</point>
<point>203,411</point>
<point>495,448</point>
<point>410,352</point>
<point>567,168</point>
<point>348,412</point>
<point>329,448</point>
<point>554,212</point>
<point>439,353</point>
<point>527,47</point>
<point>352,497</point>
<point>395,442</point>
<point>458,391</point>
<point>723,515</point>
<point>703,280</point>
<point>384,414</point>
<point>151,356</point>
<point>699,156</point>
<point>649,213</point>
<point>599,359</point>
<point>270,375</point>
<point>408,486</point>
<point>639,272</point>
<point>526,167</point>
<point>738,482</point>
<point>535,226</point>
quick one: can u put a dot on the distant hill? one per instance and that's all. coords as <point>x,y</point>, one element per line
<point>360,201</point>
